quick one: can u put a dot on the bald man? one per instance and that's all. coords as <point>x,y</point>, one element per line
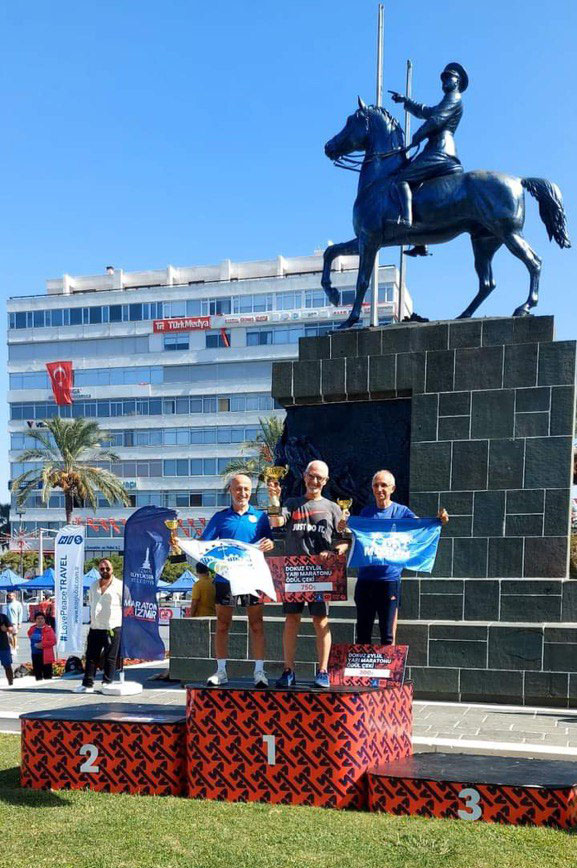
<point>312,524</point>
<point>243,522</point>
<point>378,587</point>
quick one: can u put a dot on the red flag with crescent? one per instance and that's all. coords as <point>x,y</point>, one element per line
<point>61,379</point>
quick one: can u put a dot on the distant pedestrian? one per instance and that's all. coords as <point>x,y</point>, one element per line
<point>15,612</point>
<point>42,642</point>
<point>6,631</point>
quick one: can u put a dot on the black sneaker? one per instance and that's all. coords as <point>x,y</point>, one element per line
<point>287,679</point>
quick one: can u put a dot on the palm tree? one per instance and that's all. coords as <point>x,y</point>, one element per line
<point>66,449</point>
<point>262,447</point>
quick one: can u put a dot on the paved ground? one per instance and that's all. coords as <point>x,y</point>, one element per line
<point>491,729</point>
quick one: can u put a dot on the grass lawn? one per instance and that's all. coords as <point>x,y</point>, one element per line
<point>97,830</point>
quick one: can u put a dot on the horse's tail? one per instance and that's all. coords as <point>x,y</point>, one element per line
<point>551,211</point>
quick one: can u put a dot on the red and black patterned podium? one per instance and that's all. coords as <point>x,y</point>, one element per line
<point>115,748</point>
<point>492,789</point>
<point>300,746</point>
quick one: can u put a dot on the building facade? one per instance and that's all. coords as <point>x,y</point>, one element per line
<point>175,365</point>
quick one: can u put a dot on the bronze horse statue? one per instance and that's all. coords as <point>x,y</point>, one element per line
<point>490,206</point>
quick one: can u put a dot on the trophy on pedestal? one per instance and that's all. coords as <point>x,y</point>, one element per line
<point>175,550</point>
<point>272,476</point>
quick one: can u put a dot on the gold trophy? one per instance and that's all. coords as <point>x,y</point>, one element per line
<point>345,504</point>
<point>272,476</point>
<point>172,524</point>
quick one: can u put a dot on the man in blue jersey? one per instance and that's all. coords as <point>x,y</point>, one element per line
<point>378,588</point>
<point>242,522</point>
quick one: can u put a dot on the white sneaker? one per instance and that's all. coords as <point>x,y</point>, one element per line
<point>219,677</point>
<point>260,679</point>
<point>82,689</point>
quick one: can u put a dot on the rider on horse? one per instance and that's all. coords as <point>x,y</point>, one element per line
<point>439,156</point>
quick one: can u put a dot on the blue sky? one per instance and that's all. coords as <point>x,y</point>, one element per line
<point>140,133</point>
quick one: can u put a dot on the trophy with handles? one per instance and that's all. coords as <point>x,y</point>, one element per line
<point>272,478</point>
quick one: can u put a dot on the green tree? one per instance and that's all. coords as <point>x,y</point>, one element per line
<point>65,451</point>
<point>257,453</point>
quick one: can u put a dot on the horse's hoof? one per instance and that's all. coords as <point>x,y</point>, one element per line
<point>348,323</point>
<point>333,294</point>
<point>523,310</point>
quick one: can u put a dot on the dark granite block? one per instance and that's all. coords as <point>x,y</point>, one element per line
<point>569,601</point>
<point>489,513</point>
<point>482,600</point>
<point>409,609</point>
<point>548,462</point>
<point>533,400</point>
<point>382,375</point>
<point>479,368</point>
<point>531,608</point>
<point>370,342</point>
<point>470,557</point>
<point>561,635</point>
<point>444,560</point>
<point>464,632</point>
<point>531,424</point>
<point>441,586</point>
<point>469,466</point>
<point>551,687</point>
<point>411,372</point>
<point>515,647</point>
<point>307,382</point>
<point>440,370</point>
<point>454,404</point>
<point>416,637</point>
<point>526,500</point>
<point>478,685</point>
<point>440,607</point>
<point>520,365</point>
<point>396,339</point>
<point>562,410</point>
<point>424,417</point>
<point>557,364</point>
<point>465,333</point>
<point>430,466</point>
<point>459,525</point>
<point>454,427</point>
<point>470,654</point>
<point>237,646</point>
<point>333,379</point>
<point>358,376</point>
<point>546,556</point>
<point>505,557</point>
<point>557,512</point>
<point>344,344</point>
<point>497,331</point>
<point>530,329</point>
<point>539,587</point>
<point>492,414</point>
<point>311,349</point>
<point>282,382</point>
<point>506,462</point>
<point>457,502</point>
<point>560,657</point>
<point>438,684</point>
<point>524,525</point>
<point>190,637</point>
<point>424,504</point>
<point>429,337</point>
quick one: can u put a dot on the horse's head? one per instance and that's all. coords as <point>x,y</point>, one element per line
<point>367,127</point>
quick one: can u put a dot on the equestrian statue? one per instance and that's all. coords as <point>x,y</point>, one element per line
<point>430,199</point>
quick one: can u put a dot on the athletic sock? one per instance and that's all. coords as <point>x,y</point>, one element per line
<point>221,665</point>
<point>258,665</point>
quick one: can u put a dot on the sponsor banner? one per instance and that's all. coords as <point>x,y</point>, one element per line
<point>367,665</point>
<point>167,613</point>
<point>146,548</point>
<point>308,578</point>
<point>241,564</point>
<point>406,543</point>
<point>68,590</point>
<point>182,324</point>
<point>61,380</point>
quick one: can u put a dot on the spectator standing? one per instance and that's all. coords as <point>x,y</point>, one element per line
<point>6,631</point>
<point>105,600</point>
<point>42,642</point>
<point>15,613</point>
<point>203,593</point>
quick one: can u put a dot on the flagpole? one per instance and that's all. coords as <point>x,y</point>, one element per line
<point>378,102</point>
<point>403,258</point>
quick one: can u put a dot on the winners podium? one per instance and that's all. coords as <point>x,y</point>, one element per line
<point>297,746</point>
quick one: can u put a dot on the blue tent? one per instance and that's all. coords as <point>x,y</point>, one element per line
<point>184,582</point>
<point>9,579</point>
<point>45,582</point>
<point>90,577</point>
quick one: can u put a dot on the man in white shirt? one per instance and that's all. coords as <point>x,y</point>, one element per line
<point>15,612</point>
<point>105,599</point>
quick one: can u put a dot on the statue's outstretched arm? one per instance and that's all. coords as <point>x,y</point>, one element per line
<point>418,109</point>
<point>437,120</point>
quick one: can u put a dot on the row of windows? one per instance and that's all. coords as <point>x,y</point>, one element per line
<point>147,469</point>
<point>254,337</point>
<point>158,437</point>
<point>145,407</point>
<point>237,304</point>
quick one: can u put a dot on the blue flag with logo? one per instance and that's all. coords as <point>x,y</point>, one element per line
<point>146,548</point>
<point>404,542</point>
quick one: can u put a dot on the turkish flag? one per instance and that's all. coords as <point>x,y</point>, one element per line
<point>61,380</point>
